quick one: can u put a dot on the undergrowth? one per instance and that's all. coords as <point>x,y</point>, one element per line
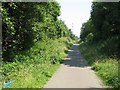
<point>33,68</point>
<point>106,67</point>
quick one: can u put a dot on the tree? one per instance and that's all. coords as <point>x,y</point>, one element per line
<point>104,25</point>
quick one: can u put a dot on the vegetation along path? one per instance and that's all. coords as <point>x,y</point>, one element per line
<point>74,73</point>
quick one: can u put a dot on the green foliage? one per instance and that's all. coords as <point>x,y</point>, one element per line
<point>25,23</point>
<point>34,42</point>
<point>90,52</point>
<point>86,29</point>
<point>100,41</point>
<point>30,76</point>
<point>105,67</point>
<point>104,27</point>
<point>108,70</point>
<point>16,28</point>
<point>32,68</point>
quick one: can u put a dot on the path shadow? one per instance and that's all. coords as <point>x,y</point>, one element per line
<point>74,58</point>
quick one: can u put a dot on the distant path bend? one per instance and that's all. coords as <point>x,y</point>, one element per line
<point>74,73</point>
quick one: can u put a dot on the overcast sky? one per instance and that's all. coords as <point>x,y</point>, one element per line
<point>74,13</point>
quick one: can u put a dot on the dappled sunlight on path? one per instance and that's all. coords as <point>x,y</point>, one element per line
<point>74,73</point>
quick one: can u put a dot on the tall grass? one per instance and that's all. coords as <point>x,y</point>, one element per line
<point>105,66</point>
<point>33,68</point>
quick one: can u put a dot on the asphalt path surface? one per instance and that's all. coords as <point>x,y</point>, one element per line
<point>74,72</point>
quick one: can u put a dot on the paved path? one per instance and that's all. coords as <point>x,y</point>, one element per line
<point>74,73</point>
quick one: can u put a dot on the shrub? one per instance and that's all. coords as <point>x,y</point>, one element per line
<point>105,67</point>
<point>33,67</point>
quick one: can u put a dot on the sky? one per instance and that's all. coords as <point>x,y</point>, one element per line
<point>74,13</point>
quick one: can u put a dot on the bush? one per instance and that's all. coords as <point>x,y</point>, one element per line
<point>105,67</point>
<point>108,70</point>
<point>32,68</point>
